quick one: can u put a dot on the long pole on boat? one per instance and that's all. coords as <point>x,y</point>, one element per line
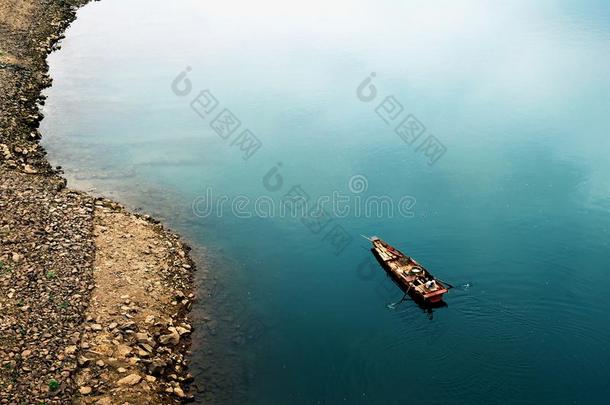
<point>444,282</point>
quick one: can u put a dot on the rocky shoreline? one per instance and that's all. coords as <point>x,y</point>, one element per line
<point>94,301</point>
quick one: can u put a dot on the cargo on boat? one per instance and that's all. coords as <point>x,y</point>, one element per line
<point>418,282</point>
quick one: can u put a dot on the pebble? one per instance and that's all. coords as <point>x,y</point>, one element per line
<point>173,338</point>
<point>179,392</point>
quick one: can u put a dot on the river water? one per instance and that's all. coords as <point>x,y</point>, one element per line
<point>472,135</point>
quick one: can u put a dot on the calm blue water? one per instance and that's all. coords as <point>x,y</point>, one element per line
<point>516,212</point>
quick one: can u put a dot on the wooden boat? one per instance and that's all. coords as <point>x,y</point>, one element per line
<point>418,282</point>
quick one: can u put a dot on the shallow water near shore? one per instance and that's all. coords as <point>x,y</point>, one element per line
<point>515,213</point>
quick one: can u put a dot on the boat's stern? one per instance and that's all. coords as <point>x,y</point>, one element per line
<point>436,296</point>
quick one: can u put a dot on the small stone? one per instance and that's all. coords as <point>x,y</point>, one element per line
<point>29,169</point>
<point>70,350</point>
<point>123,351</point>
<point>147,347</point>
<point>127,325</point>
<point>104,401</point>
<point>131,379</point>
<point>121,370</point>
<point>85,390</point>
<point>96,327</point>
<point>179,393</point>
<point>173,338</point>
<point>143,337</point>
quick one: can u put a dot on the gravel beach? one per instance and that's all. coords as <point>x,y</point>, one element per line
<point>95,301</point>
